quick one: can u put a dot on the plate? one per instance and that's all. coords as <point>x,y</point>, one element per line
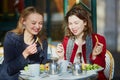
<point>25,74</point>
<point>96,70</point>
<point>99,69</point>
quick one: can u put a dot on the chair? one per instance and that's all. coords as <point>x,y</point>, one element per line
<point>1,55</point>
<point>109,69</point>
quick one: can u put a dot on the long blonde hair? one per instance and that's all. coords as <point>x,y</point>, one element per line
<point>20,27</point>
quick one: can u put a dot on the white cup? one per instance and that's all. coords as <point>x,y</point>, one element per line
<point>34,69</point>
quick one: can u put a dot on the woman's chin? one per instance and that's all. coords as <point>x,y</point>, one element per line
<point>35,33</point>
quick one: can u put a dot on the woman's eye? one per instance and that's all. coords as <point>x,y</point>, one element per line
<point>33,23</point>
<point>76,23</point>
<point>41,23</point>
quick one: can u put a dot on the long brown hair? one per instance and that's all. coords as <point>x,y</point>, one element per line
<point>81,13</point>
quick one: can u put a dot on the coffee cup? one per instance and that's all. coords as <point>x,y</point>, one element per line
<point>34,69</point>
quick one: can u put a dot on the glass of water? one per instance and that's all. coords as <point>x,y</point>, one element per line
<point>49,53</point>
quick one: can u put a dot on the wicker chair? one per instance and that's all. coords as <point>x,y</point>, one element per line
<point>109,69</point>
<point>1,55</point>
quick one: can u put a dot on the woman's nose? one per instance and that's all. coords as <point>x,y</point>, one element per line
<point>73,26</point>
<point>37,26</point>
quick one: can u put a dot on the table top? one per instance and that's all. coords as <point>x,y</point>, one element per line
<point>61,76</point>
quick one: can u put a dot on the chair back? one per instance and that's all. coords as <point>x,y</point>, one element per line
<point>1,55</point>
<point>109,69</point>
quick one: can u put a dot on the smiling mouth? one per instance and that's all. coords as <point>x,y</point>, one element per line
<point>35,30</point>
<point>74,31</point>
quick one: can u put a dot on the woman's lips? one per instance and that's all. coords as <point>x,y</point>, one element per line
<point>74,31</point>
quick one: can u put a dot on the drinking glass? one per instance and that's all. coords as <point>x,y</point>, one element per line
<point>49,54</point>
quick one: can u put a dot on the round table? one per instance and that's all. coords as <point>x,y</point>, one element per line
<point>62,76</point>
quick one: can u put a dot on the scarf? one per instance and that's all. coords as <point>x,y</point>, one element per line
<point>70,46</point>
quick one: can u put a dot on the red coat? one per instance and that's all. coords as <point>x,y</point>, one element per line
<point>100,59</point>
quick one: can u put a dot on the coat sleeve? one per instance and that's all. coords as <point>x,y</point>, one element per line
<point>100,59</point>
<point>13,60</point>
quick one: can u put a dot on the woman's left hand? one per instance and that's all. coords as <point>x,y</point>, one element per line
<point>31,49</point>
<point>97,49</point>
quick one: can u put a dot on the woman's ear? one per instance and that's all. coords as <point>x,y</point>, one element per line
<point>22,21</point>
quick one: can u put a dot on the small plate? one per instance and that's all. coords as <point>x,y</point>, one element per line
<point>25,73</point>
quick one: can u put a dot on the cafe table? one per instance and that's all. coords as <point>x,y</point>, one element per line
<point>90,75</point>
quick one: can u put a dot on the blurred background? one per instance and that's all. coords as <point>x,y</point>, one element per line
<point>105,15</point>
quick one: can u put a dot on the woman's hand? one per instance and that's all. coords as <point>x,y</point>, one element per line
<point>31,49</point>
<point>60,51</point>
<point>97,49</point>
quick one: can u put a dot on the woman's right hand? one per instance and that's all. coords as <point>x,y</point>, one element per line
<point>60,51</point>
<point>31,49</point>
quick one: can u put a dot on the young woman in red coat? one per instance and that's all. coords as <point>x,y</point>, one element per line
<point>79,38</point>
